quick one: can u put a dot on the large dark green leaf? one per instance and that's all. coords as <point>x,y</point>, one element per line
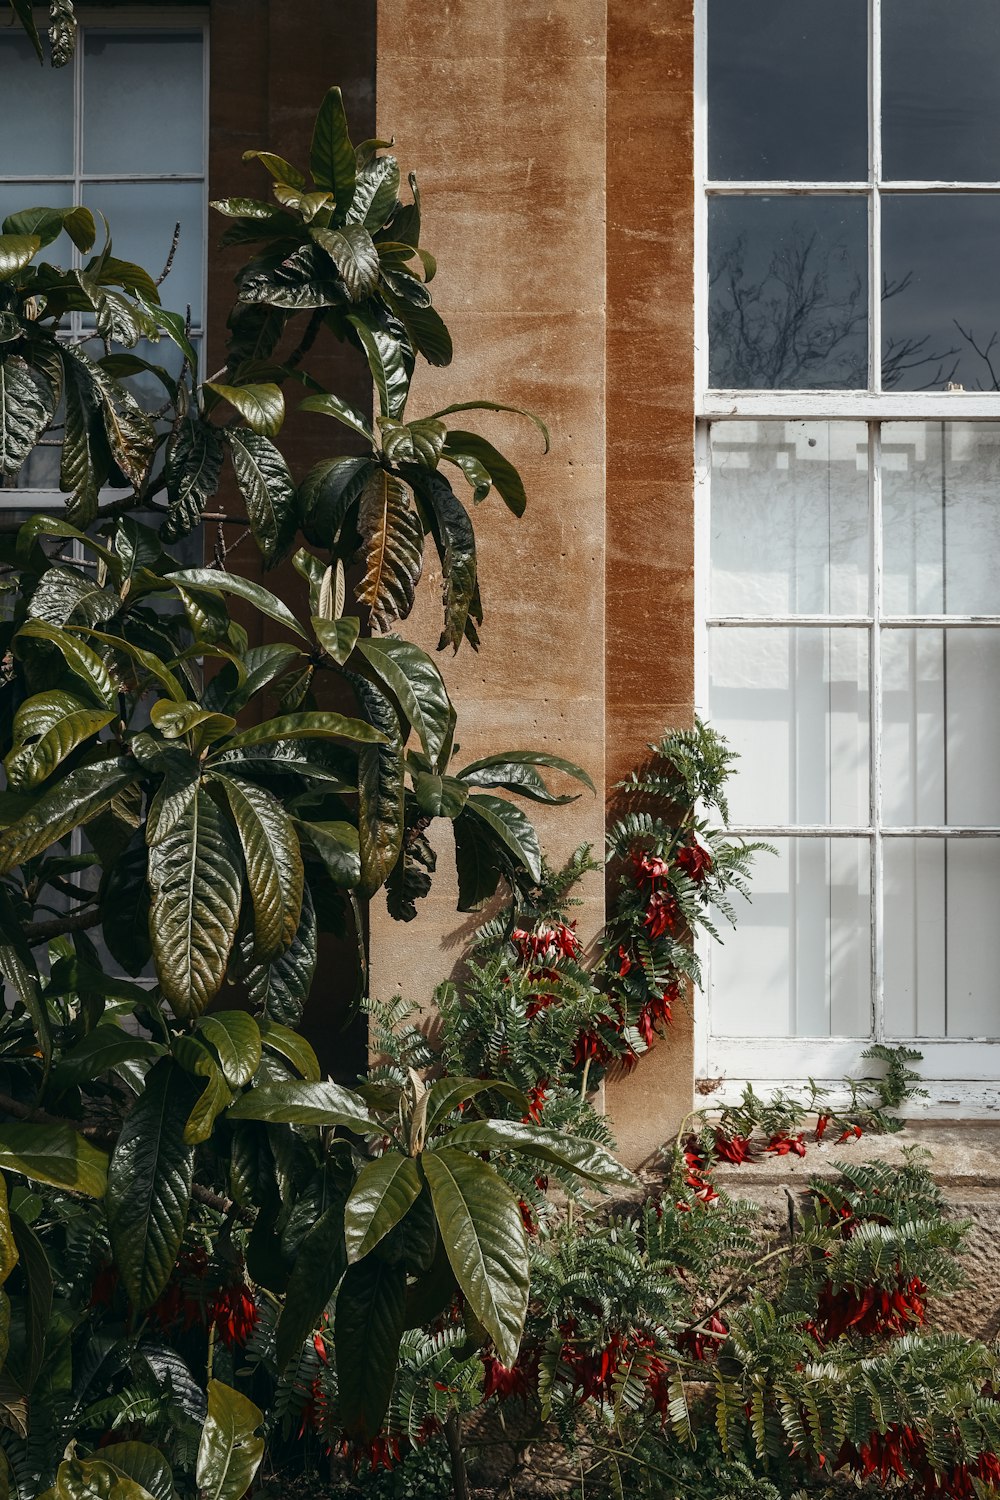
<point>505,478</point>
<point>323,726</point>
<point>47,728</point>
<point>478,863</point>
<point>56,1155</point>
<point>375,192</point>
<point>485,1241</point>
<point>19,970</point>
<point>329,491</point>
<point>192,468</point>
<point>16,252</point>
<point>63,596</point>
<point>293,1047</point>
<point>331,156</point>
<point>439,796</point>
<point>229,1454</point>
<point>413,442</point>
<point>84,460</point>
<point>381,791</point>
<point>586,1158</point>
<point>338,847</point>
<point>418,687</point>
<point>337,637</point>
<point>236,1039</point>
<point>200,1060</point>
<point>268,489</point>
<point>99,1051</point>
<point>195,883</point>
<point>515,771</point>
<point>37,1272</point>
<point>319,1265</point>
<point>425,328</point>
<point>26,409</point>
<point>280,169</point>
<point>512,829</point>
<point>455,540</point>
<point>306,1103</point>
<point>448,1093</point>
<point>273,862</point>
<point>367,1329</point>
<point>83,662</point>
<point>261,406</point>
<point>149,1183</point>
<point>446,411</point>
<point>388,362</point>
<point>393,540</point>
<point>333,406</point>
<point>244,588</point>
<point>143,1464</point>
<point>77,796</point>
<point>382,1195</point>
<point>129,431</point>
<point>353,253</point>
<point>280,988</point>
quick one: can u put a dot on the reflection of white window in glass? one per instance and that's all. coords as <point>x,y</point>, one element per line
<point>849,529</point>
<point>121,130</point>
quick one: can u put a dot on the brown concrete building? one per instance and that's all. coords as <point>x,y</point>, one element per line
<point>739,255</point>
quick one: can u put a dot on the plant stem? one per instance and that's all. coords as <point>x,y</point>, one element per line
<point>459,1474</point>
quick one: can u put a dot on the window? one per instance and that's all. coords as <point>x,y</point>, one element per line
<point>121,130</point>
<point>849,529</point>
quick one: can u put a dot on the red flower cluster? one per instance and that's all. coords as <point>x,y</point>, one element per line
<point>663,913</point>
<point>193,1297</point>
<point>783,1144</point>
<point>537,1095</point>
<point>696,1176</point>
<point>649,867</point>
<point>591,1044</point>
<point>656,1009</point>
<point>869,1310</point>
<point>519,1380</point>
<point>695,861</point>
<point>548,942</point>
<point>700,1345</point>
<point>733,1148</point>
<point>233,1313</point>
<point>900,1452</point>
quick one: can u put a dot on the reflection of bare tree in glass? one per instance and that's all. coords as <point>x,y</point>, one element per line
<point>804,324</point>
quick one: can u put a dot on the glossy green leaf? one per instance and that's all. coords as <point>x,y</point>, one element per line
<point>217,581</point>
<point>376,191</point>
<point>328,494</point>
<point>280,169</point>
<point>149,1183</point>
<point>384,1192</point>
<point>333,406</point>
<point>418,687</point>
<point>505,478</point>
<point>331,155</point>
<point>8,1249</point>
<point>393,540</point>
<point>195,883</point>
<point>100,1051</point>
<point>56,1155</point>
<point>174,720</point>
<point>76,797</point>
<point>455,540</point>
<point>353,253</point>
<point>16,252</point>
<point>485,1241</point>
<point>425,329</point>
<point>94,1479</point>
<point>307,1103</point>
<point>281,987</point>
<point>293,1047</point>
<point>368,1327</point>
<point>381,790</point>
<point>19,971</point>
<point>319,1266</point>
<point>273,862</point>
<point>192,470</point>
<point>229,1453</point>
<point>337,637</point>
<point>147,660</point>
<point>82,661</point>
<point>337,845</point>
<point>236,1038</point>
<point>307,726</point>
<point>446,1094</point>
<point>268,489</point>
<point>512,829</point>
<point>47,728</point>
<point>439,796</point>
<point>588,1159</point>
<point>198,1059</point>
<point>26,409</point>
<point>447,411</point>
<point>413,442</point>
<point>262,407</point>
<point>387,363</point>
<point>38,1304</point>
<point>515,771</point>
<point>143,1464</point>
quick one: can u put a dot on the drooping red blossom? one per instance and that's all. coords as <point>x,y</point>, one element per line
<point>783,1144</point>
<point>527,1217</point>
<point>663,913</point>
<point>537,1095</point>
<point>901,1453</point>
<point>625,966</point>
<point>868,1311</point>
<point>547,942</point>
<point>657,1009</point>
<point>695,861</point>
<point>519,1380</point>
<point>701,1344</point>
<point>852,1133</point>
<point>649,867</point>
<point>233,1313</point>
<point>821,1126</point>
<point>733,1148</point>
<point>590,1044</point>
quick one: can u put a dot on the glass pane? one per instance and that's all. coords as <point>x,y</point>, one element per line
<point>799,961</point>
<point>942,938</point>
<point>940,294</point>
<point>789,518</point>
<point>940,105</point>
<point>794,703</point>
<point>142,218</point>
<point>788,298</point>
<point>941,727</point>
<point>788,90</point>
<point>941,522</point>
<point>15,197</point>
<point>142,103</point>
<point>37,112</point>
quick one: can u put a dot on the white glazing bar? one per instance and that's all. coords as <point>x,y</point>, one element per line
<point>843,622</point>
<point>794,406</point>
<point>859,831</point>
<point>702,603</point>
<point>875,204</point>
<point>784,189</point>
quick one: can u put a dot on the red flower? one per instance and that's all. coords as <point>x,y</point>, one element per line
<point>821,1125</point>
<point>590,1044</point>
<point>782,1144</point>
<point>852,1133</point>
<point>662,913</point>
<point>625,967</point>
<point>695,861</point>
<point>656,1009</point>
<point>234,1315</point>
<point>732,1148</point>
<point>649,867</point>
<point>527,1217</point>
<point>537,1095</point>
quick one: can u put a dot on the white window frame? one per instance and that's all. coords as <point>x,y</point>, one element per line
<point>120,21</point>
<point>962,1076</point>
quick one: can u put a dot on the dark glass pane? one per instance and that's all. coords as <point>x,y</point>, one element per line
<point>37,111</point>
<point>940,292</point>
<point>788,90</point>
<point>940,101</point>
<point>788,301</point>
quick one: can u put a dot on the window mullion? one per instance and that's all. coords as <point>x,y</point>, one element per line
<point>875,718</point>
<point>875,202</point>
